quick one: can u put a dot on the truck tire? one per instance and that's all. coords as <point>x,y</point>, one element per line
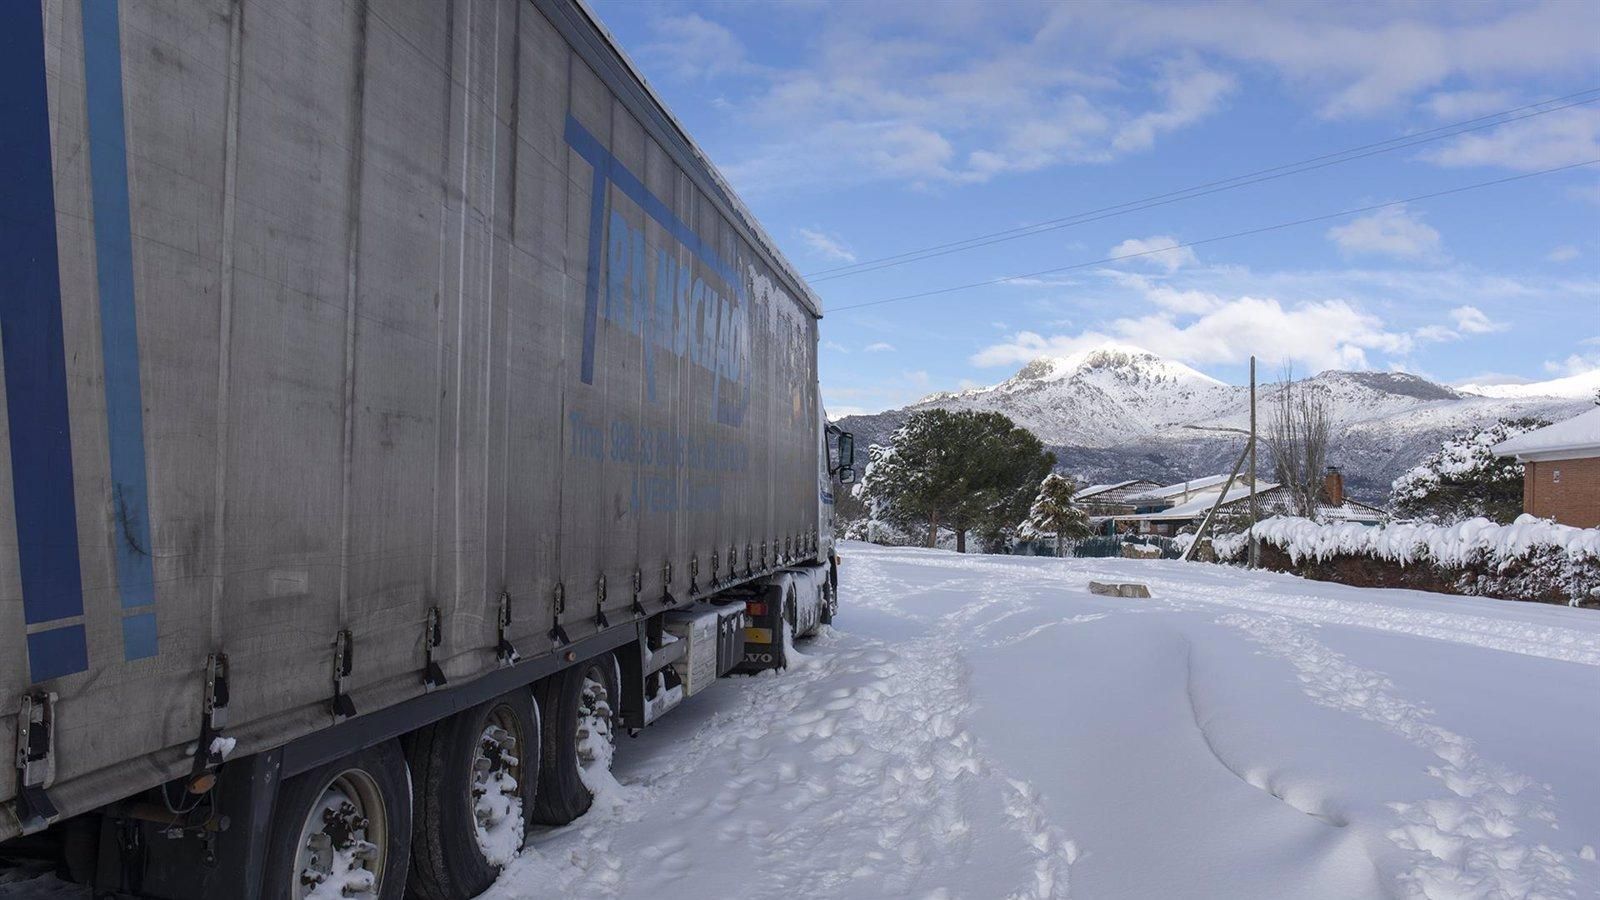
<point>348,820</point>
<point>580,706</point>
<point>474,779</point>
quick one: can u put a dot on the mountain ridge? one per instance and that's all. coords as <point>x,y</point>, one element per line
<point>1117,411</point>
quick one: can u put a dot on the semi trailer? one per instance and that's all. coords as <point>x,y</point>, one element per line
<point>399,406</point>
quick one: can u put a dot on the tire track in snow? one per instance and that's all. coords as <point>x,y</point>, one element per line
<point>937,670</point>
<point>852,774</point>
<point>1464,845</point>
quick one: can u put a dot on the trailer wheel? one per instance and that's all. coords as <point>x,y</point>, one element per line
<point>343,828</point>
<point>473,783</point>
<point>580,707</point>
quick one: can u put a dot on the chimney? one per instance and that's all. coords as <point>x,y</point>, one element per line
<point>1333,486</point>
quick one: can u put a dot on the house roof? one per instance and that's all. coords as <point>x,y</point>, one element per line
<point>1351,511</point>
<point>1196,506</point>
<point>1579,435</point>
<point>1094,489</point>
<point>1182,487</point>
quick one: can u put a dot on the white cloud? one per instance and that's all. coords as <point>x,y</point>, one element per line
<point>1359,60</point>
<point>1466,320</point>
<point>1191,93</point>
<point>1158,250</point>
<point>1576,364</point>
<point>835,346</point>
<point>1563,253</point>
<point>1392,231</point>
<point>1436,334</point>
<point>879,347</point>
<point>1472,320</point>
<point>695,47</point>
<point>1319,335</point>
<point>827,246</point>
<point>1451,105</point>
<point>1558,139</point>
<point>1188,301</point>
<point>951,94</point>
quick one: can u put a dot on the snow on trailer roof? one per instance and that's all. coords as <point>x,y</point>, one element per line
<point>808,296</point>
<point>1579,434</point>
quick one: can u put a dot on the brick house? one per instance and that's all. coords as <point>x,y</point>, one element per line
<point>1560,470</point>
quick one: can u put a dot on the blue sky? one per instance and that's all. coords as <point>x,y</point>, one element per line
<point>861,130</point>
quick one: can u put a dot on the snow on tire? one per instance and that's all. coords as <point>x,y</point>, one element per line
<point>579,738</point>
<point>474,789</point>
<point>343,829</point>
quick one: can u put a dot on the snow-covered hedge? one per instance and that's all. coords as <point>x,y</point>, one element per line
<point>1532,559</point>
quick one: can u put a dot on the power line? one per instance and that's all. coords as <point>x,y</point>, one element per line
<point>1221,237</point>
<point>1455,129</point>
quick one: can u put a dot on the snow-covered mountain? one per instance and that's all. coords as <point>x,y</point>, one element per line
<point>1097,398</point>
<point>1583,386</point>
<point>1117,412</point>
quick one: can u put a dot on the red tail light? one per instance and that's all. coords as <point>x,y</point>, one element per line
<point>756,609</point>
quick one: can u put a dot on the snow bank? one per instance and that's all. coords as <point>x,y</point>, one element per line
<point>1481,556</point>
<point>1471,542</point>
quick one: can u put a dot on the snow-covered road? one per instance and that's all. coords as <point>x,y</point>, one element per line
<point>984,727</point>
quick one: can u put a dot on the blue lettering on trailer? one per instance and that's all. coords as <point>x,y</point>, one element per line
<point>682,313</point>
<point>32,343</point>
<point>119,329</point>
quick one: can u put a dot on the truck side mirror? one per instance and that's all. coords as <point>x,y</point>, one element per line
<point>847,451</point>
<point>847,475</point>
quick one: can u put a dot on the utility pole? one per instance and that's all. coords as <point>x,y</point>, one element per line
<point>1254,559</point>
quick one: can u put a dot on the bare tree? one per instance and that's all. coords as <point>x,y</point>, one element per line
<point>1297,435</point>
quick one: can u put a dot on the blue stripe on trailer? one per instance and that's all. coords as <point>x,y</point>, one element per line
<point>119,327</point>
<point>57,652</point>
<point>34,353</point>
<point>139,635</point>
<point>597,237</point>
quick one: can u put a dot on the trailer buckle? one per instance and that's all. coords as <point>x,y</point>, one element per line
<point>638,585</point>
<point>35,762</point>
<point>432,637</point>
<point>344,656</point>
<point>600,621</point>
<point>214,714</point>
<point>558,635</point>
<point>506,651</point>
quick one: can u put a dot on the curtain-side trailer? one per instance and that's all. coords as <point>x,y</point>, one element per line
<point>398,404</point>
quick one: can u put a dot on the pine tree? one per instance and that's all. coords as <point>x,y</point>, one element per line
<point>1054,511</point>
<point>958,470</point>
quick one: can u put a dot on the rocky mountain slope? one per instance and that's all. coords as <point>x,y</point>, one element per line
<point>1118,412</point>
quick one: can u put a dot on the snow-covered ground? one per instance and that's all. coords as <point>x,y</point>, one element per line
<point>984,727</point>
